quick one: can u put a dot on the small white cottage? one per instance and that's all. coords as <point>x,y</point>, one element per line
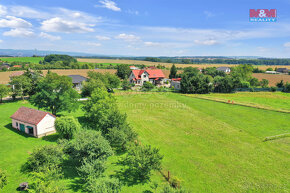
<point>34,122</point>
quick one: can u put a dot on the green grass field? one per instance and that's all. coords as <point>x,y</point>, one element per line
<point>33,60</point>
<point>210,146</point>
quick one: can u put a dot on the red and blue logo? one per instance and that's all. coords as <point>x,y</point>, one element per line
<point>263,15</point>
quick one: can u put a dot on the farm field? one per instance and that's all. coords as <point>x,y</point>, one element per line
<point>274,100</point>
<point>167,65</point>
<point>211,146</point>
<point>227,156</point>
<point>34,60</point>
<point>273,78</point>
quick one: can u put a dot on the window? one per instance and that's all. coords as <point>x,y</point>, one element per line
<point>16,124</point>
<point>144,75</point>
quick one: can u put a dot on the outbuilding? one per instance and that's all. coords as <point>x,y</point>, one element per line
<point>33,122</point>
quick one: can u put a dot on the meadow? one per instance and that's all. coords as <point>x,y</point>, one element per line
<point>209,146</point>
<point>33,60</point>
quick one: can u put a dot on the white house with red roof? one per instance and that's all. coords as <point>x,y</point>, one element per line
<point>33,122</point>
<point>155,76</point>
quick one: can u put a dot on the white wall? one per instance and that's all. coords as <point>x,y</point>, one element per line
<point>46,125</point>
<point>26,124</point>
<point>176,85</point>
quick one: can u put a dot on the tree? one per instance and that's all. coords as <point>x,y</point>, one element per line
<point>21,86</point>
<point>91,168</point>
<point>90,145</point>
<point>213,72</point>
<point>173,71</point>
<point>264,83</point>
<point>198,84</point>
<point>90,85</point>
<point>280,84</point>
<point>126,85</point>
<point>101,112</point>
<point>49,156</point>
<point>55,93</point>
<point>286,88</point>
<point>190,71</point>
<point>3,178</point>
<point>4,91</point>
<point>223,84</point>
<point>141,160</point>
<point>123,70</point>
<point>67,127</point>
<point>241,73</point>
<point>34,78</point>
<point>49,180</point>
<point>148,86</point>
<point>113,80</point>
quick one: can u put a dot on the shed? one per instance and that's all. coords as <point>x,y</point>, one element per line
<point>33,122</point>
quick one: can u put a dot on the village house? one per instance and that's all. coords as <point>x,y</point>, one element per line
<point>224,69</point>
<point>77,81</point>
<point>175,83</point>
<point>33,122</point>
<point>155,76</point>
<point>133,68</point>
<point>282,70</point>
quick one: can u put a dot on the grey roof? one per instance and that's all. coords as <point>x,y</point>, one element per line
<point>281,69</point>
<point>223,68</point>
<point>77,78</point>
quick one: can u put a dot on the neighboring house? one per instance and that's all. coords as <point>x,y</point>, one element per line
<point>224,69</point>
<point>282,70</point>
<point>175,83</point>
<point>138,77</point>
<point>18,73</point>
<point>4,66</point>
<point>133,68</point>
<point>33,122</point>
<point>77,81</point>
<point>17,66</point>
<point>271,72</point>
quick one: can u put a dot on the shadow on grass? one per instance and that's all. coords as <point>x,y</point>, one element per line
<point>128,177</point>
<point>51,138</point>
<point>9,126</point>
<point>70,172</point>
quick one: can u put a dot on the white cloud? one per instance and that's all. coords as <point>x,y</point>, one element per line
<point>132,12</point>
<point>287,45</point>
<point>60,25</point>
<point>152,44</point>
<point>103,38</point>
<point>206,42</point>
<point>1,41</point>
<point>208,14</point>
<point>3,10</point>
<point>93,44</point>
<point>109,5</point>
<point>14,22</point>
<point>128,37</point>
<point>19,33</point>
<point>27,12</point>
<point>48,36</point>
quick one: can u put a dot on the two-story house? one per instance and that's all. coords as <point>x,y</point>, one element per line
<point>138,77</point>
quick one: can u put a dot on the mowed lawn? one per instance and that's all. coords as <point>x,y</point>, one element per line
<point>211,146</point>
<point>275,100</point>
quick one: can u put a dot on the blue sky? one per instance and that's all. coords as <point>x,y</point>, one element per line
<point>145,27</point>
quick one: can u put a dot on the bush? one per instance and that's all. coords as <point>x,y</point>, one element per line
<point>67,127</point>
<point>3,179</point>
<point>48,156</point>
<point>91,169</point>
<point>141,160</point>
<point>47,181</point>
<point>245,84</point>
<point>280,84</point>
<point>89,144</point>
<point>273,89</point>
<point>286,88</point>
<point>148,86</point>
<point>103,185</point>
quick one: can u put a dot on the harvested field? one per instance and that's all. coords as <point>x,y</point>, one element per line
<point>273,78</point>
<point>4,76</point>
<point>167,65</point>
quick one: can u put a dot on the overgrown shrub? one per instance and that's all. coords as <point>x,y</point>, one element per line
<point>148,86</point>
<point>67,127</point>
<point>3,178</point>
<point>103,185</point>
<point>48,156</point>
<point>286,88</point>
<point>273,89</point>
<point>91,169</point>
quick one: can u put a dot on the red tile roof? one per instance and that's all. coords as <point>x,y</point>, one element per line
<point>156,73</point>
<point>17,74</point>
<point>17,66</point>
<point>176,79</point>
<point>28,115</point>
